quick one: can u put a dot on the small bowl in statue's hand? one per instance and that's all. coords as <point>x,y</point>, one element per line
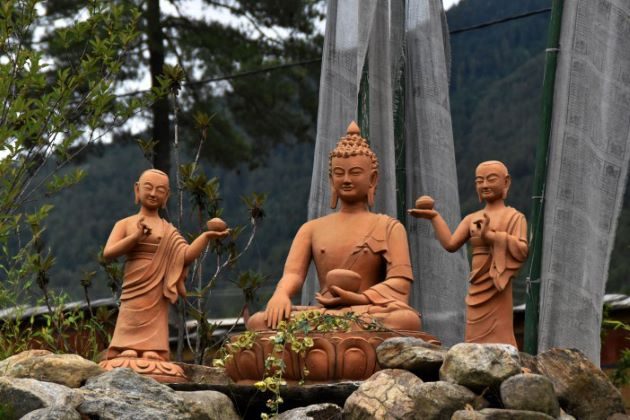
<point>216,225</point>
<point>344,279</point>
<point>425,203</point>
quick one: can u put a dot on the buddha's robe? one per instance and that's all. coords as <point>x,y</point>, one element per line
<point>154,275</point>
<point>489,317</point>
<point>387,304</point>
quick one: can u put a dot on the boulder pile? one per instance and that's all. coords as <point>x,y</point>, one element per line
<point>39,385</point>
<point>418,381</point>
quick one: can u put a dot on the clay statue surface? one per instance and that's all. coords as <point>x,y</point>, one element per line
<point>157,257</point>
<point>362,258</point>
<point>498,236</point>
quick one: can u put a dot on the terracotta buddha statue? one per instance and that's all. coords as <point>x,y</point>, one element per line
<point>154,275</point>
<point>498,236</point>
<point>362,258</point>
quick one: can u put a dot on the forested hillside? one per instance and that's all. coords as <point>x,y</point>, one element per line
<point>495,101</point>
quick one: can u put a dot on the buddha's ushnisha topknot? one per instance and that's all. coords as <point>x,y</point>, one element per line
<point>352,144</point>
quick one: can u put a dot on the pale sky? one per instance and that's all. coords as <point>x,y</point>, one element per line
<point>449,3</point>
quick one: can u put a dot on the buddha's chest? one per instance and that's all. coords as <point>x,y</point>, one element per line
<point>345,247</point>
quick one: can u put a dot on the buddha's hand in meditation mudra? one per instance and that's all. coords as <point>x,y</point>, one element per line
<point>340,297</point>
<point>341,289</point>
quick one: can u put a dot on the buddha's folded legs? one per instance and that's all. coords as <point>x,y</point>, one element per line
<point>389,317</point>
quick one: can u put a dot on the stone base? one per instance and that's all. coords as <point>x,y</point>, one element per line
<point>335,356</point>
<point>161,371</point>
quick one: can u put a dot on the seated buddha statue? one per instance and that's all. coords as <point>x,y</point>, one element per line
<point>498,238</point>
<point>157,257</point>
<point>362,258</point>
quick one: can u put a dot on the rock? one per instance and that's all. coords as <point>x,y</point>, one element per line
<point>70,370</point>
<point>248,399</point>
<point>121,394</point>
<point>564,416</point>
<point>23,395</point>
<point>528,362</point>
<point>530,392</point>
<point>499,414</point>
<point>480,366</point>
<point>619,416</point>
<point>209,405</point>
<point>439,400</point>
<point>385,395</point>
<point>583,390</point>
<point>412,354</point>
<point>53,413</point>
<point>324,411</point>
<point>199,374</point>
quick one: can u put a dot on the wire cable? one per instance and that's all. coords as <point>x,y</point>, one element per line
<point>318,60</point>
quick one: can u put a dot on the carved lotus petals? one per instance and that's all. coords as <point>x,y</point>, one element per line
<point>157,369</point>
<point>334,356</point>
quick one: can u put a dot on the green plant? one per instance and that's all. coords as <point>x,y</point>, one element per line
<point>7,411</point>
<point>620,376</point>
<point>48,116</point>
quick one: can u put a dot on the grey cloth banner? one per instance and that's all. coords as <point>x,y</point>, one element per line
<point>587,171</point>
<point>441,277</point>
<point>345,49</point>
<point>378,30</point>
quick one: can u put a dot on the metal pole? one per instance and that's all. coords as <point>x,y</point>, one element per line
<point>536,220</point>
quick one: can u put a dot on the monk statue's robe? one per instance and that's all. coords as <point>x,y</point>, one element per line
<point>381,255</point>
<point>154,275</point>
<point>489,305</point>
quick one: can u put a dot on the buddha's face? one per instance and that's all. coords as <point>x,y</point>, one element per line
<point>492,182</point>
<point>352,178</point>
<point>152,190</point>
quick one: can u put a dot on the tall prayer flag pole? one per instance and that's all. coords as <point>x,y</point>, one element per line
<point>532,307</point>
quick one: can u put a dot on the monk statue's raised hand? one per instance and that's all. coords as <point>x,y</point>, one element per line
<point>498,235</point>
<point>157,257</point>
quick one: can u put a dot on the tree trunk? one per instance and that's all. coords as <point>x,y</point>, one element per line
<point>160,109</point>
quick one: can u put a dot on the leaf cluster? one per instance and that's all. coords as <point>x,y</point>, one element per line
<point>48,115</point>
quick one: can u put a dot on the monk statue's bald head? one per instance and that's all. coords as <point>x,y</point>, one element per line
<point>152,184</point>
<point>500,166</point>
<point>487,171</point>
<point>153,171</point>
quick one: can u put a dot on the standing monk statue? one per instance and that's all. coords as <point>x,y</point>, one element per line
<point>498,235</point>
<point>362,258</point>
<point>154,275</point>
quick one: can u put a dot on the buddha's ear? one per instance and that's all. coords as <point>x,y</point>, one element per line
<point>372,190</point>
<point>508,182</point>
<point>333,194</point>
<point>168,193</point>
<point>136,192</point>
<point>374,178</point>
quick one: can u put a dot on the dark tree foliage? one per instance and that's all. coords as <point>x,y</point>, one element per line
<point>251,115</point>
